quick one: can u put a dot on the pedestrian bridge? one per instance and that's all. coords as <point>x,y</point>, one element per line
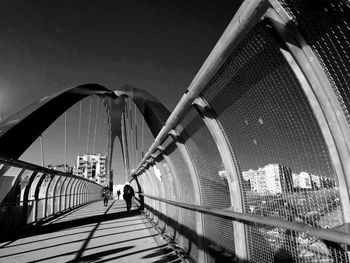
<point>252,165</point>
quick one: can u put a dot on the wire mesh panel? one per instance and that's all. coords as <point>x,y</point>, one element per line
<point>65,194</point>
<point>153,203</point>
<point>325,25</point>
<point>11,208</point>
<point>23,182</point>
<point>42,195</point>
<point>283,162</point>
<point>158,176</point>
<point>189,223</point>
<point>156,192</point>
<point>142,181</point>
<point>32,204</point>
<point>69,193</point>
<point>57,192</point>
<point>157,179</point>
<point>172,212</point>
<point>176,194</point>
<point>214,188</point>
<point>161,175</point>
<point>147,189</point>
<point>7,179</point>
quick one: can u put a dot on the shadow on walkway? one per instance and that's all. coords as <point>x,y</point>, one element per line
<point>57,226</point>
<point>93,234</point>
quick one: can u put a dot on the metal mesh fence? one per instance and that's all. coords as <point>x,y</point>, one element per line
<point>325,25</point>
<point>289,246</point>
<point>189,223</point>
<point>159,184</point>
<point>283,161</point>
<point>145,188</point>
<point>158,169</point>
<point>172,213</point>
<point>175,187</point>
<point>214,189</point>
<point>154,192</point>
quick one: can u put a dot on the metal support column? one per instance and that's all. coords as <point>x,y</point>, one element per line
<point>322,99</point>
<point>232,175</point>
<point>188,160</point>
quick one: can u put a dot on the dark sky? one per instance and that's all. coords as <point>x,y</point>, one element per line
<point>156,45</point>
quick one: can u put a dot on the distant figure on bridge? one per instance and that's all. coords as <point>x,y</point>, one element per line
<point>127,195</point>
<point>118,193</point>
<point>105,195</point>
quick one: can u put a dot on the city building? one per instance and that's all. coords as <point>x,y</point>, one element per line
<point>305,180</point>
<point>271,179</point>
<point>302,180</point>
<point>92,167</point>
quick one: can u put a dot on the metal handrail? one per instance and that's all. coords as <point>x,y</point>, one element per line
<point>326,234</point>
<point>37,168</point>
<point>246,17</point>
<point>39,199</point>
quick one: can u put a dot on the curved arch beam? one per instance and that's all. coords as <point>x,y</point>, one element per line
<point>25,127</point>
<point>153,111</point>
<point>20,130</point>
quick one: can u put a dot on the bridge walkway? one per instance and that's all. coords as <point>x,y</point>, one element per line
<point>92,233</point>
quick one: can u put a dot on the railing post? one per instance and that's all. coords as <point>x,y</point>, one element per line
<point>11,195</point>
<point>70,194</point>
<point>62,190</point>
<point>199,221</point>
<point>74,192</point>
<point>66,195</point>
<point>89,192</point>
<point>322,99</point>
<point>147,188</point>
<point>78,200</point>
<point>85,192</point>
<point>54,194</point>
<point>26,197</point>
<point>165,191</point>
<point>172,172</point>
<point>46,195</point>
<point>231,173</point>
<point>36,196</point>
<point>153,189</point>
<point>140,190</point>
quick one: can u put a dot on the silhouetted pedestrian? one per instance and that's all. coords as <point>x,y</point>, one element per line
<point>105,197</point>
<point>127,195</point>
<point>118,193</point>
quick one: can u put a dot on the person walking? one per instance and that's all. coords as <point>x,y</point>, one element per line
<point>106,197</point>
<point>128,193</point>
<point>118,193</point>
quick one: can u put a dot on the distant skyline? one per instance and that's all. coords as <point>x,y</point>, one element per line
<point>154,45</point>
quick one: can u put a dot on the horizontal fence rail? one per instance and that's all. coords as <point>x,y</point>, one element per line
<point>326,234</point>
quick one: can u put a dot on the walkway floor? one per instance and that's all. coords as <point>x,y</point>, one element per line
<point>93,233</point>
